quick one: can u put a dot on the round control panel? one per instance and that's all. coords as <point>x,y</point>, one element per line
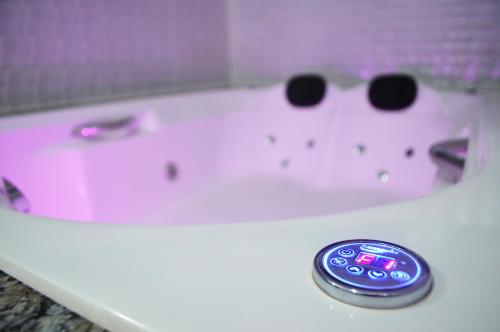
<point>371,273</point>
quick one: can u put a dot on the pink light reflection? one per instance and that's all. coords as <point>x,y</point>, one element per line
<point>89,131</point>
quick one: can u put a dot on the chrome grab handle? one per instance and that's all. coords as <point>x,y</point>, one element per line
<point>106,128</point>
<point>11,197</point>
<point>452,152</point>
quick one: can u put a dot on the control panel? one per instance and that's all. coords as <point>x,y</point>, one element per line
<point>372,273</point>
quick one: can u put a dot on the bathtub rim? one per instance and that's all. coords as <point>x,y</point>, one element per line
<point>470,204</point>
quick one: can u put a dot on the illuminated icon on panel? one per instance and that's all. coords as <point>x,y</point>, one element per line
<point>338,261</point>
<point>375,274</point>
<point>400,275</point>
<point>346,252</point>
<point>355,269</point>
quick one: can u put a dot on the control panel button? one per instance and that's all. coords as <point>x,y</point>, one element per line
<point>371,273</point>
<point>355,269</point>
<point>377,274</point>
<point>400,275</point>
<point>346,252</point>
<point>338,261</point>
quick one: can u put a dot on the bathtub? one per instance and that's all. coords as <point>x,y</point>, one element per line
<point>205,210</point>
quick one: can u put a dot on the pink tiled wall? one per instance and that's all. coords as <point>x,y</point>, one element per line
<point>63,52</point>
<point>455,41</point>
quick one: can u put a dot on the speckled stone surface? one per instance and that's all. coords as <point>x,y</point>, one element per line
<point>24,309</point>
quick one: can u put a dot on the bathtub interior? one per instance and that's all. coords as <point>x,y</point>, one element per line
<point>257,158</point>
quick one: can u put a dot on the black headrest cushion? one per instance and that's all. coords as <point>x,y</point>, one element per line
<point>306,90</point>
<point>393,92</point>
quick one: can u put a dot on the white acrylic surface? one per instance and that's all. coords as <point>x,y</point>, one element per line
<point>264,160</point>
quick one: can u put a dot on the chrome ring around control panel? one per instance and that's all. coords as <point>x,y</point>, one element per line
<point>373,286</point>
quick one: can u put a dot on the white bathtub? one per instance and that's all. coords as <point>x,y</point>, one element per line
<point>268,182</point>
